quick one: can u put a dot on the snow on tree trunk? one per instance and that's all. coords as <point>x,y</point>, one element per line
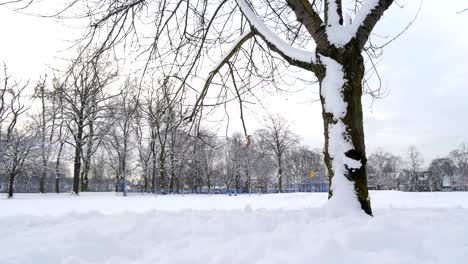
<point>341,91</point>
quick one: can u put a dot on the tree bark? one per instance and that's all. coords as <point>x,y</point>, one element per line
<point>76,171</point>
<point>280,177</point>
<point>43,140</point>
<point>162,168</point>
<point>87,159</point>
<point>154,162</point>
<point>10,185</point>
<point>353,68</point>
<point>145,178</point>
<point>124,167</point>
<point>77,159</point>
<point>57,168</point>
<point>85,171</point>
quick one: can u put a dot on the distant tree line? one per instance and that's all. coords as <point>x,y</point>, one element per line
<point>390,172</point>
<point>90,129</point>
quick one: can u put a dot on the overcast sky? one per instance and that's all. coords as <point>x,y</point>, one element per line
<point>425,71</point>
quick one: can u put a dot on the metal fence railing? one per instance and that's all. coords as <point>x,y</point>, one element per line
<point>230,192</point>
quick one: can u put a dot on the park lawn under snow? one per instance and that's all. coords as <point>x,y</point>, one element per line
<point>275,228</point>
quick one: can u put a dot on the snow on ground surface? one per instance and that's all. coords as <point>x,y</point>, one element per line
<point>275,228</point>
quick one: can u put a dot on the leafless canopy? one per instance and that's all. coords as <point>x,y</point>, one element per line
<point>202,44</point>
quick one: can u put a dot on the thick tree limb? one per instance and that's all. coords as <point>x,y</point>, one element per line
<point>297,57</point>
<point>364,30</point>
<point>306,15</point>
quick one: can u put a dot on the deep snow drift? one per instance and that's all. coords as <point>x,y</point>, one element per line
<point>277,228</point>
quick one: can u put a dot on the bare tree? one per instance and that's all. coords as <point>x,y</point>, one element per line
<point>279,139</point>
<point>164,110</point>
<point>415,162</point>
<point>124,108</point>
<point>209,154</point>
<point>301,161</point>
<point>15,143</point>
<point>441,169</point>
<point>460,158</point>
<point>11,104</point>
<point>83,102</point>
<point>263,165</point>
<point>17,150</point>
<point>46,123</point>
<point>62,133</point>
<point>384,168</point>
<point>179,152</point>
<point>143,146</point>
<point>235,161</point>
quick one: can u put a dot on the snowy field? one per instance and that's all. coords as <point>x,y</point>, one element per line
<point>276,228</point>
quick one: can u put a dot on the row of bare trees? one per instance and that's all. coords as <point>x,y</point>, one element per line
<point>16,139</point>
<point>90,129</point>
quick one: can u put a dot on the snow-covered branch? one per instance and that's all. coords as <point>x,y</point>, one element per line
<point>295,56</point>
<point>368,16</point>
<point>361,26</point>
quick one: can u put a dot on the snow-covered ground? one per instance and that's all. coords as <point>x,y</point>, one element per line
<point>276,228</point>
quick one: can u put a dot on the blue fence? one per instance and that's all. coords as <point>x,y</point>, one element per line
<point>320,187</point>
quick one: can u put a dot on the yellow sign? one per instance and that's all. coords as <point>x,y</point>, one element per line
<point>312,174</point>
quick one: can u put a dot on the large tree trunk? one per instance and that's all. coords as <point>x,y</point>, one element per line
<point>87,167</point>
<point>153,172</point>
<point>352,163</point>
<point>145,177</point>
<point>162,168</point>
<point>76,171</point>
<point>172,163</point>
<point>87,159</point>
<point>153,160</point>
<point>280,176</point>
<point>124,167</point>
<point>43,139</point>
<point>10,184</point>
<point>85,171</point>
<point>57,168</point>
<point>77,159</point>
<point>208,178</point>
<point>43,174</point>
<point>117,181</point>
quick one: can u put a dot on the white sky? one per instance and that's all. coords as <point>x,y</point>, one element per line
<point>425,71</point>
